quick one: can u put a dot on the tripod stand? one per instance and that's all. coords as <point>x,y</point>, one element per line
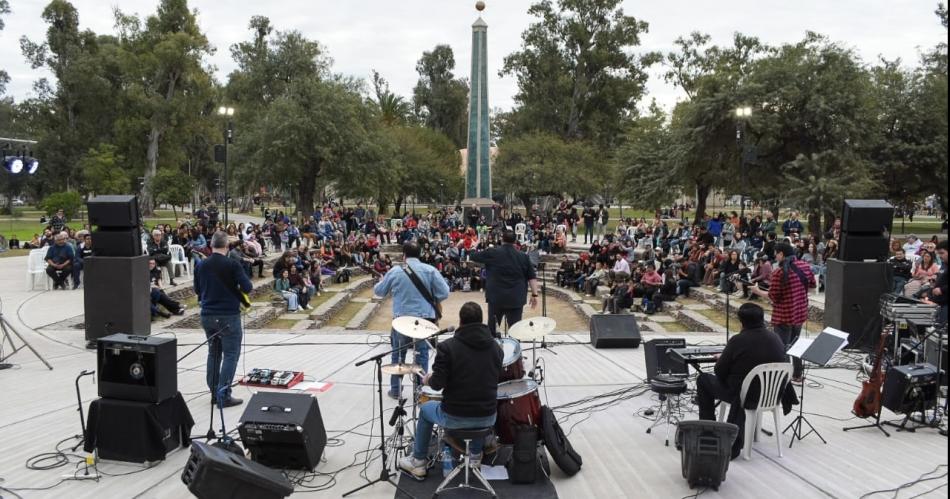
<point>6,328</point>
<point>796,424</point>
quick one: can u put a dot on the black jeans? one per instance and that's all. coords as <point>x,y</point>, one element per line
<point>496,313</point>
<point>59,275</point>
<point>708,391</point>
<point>789,334</point>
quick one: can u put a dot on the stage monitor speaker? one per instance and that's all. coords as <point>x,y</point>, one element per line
<point>113,211</point>
<point>705,448</point>
<point>863,247</point>
<point>907,388</point>
<point>213,473</point>
<point>872,216</point>
<point>852,299</point>
<point>140,368</point>
<point>656,354</point>
<point>283,430</point>
<point>614,331</point>
<point>116,297</point>
<point>117,242</point>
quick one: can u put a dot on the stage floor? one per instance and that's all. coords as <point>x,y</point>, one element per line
<point>38,409</point>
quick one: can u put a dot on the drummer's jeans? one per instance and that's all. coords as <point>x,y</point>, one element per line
<point>402,343</point>
<point>432,414</point>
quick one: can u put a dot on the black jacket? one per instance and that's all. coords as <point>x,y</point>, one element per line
<point>509,271</point>
<point>743,353</point>
<point>466,368</point>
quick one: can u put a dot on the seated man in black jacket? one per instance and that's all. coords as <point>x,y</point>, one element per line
<point>756,344</point>
<point>466,369</point>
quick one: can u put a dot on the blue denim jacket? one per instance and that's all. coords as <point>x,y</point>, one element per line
<point>406,298</point>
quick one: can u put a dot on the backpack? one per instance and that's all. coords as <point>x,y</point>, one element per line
<point>649,306</point>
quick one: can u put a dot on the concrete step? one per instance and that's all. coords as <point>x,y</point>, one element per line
<point>362,316</point>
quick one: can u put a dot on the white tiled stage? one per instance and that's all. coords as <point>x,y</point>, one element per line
<point>38,409</point>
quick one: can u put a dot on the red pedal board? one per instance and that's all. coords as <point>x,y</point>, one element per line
<point>271,378</point>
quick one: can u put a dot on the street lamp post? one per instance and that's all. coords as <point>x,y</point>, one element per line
<point>742,115</point>
<point>228,139</point>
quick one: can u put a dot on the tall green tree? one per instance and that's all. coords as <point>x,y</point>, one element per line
<point>643,162</point>
<point>579,74</point>
<point>393,109</point>
<point>544,164</point>
<point>440,99</point>
<point>165,75</point>
<point>102,170</point>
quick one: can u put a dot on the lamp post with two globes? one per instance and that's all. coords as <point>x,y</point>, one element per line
<point>742,116</point>
<point>228,139</point>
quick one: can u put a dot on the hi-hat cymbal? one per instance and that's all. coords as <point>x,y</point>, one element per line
<point>414,327</point>
<point>401,369</point>
<point>532,329</point>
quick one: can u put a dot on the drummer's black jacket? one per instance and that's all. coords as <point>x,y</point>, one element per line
<point>466,369</point>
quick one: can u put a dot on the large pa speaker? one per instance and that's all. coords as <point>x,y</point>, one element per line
<point>852,299</point>
<point>113,211</point>
<point>867,216</point>
<point>860,247</point>
<point>614,331</point>
<point>138,368</point>
<point>656,354</point>
<point>283,430</point>
<point>213,473</point>
<point>116,298</point>
<point>117,242</point>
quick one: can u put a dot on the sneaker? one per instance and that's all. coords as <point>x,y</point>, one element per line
<point>798,381</point>
<point>231,402</point>
<point>181,310</point>
<point>416,468</point>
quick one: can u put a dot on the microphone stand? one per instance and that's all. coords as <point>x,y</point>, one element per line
<point>385,476</point>
<point>214,345</point>
<point>82,417</point>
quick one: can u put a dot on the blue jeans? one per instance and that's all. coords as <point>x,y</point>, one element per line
<point>431,413</point>
<point>223,351</point>
<point>421,352</point>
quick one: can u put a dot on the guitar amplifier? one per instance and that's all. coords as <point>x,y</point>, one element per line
<point>139,368</point>
<point>905,387</point>
<point>658,360</point>
<point>283,430</point>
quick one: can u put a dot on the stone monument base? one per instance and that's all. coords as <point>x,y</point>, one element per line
<point>484,206</point>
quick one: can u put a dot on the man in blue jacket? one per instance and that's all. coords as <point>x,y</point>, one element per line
<point>218,283</point>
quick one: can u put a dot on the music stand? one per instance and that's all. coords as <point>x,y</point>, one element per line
<point>819,351</point>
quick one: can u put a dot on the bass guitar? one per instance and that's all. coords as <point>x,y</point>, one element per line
<point>868,402</point>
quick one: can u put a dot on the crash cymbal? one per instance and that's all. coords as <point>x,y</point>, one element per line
<point>401,369</point>
<point>532,329</point>
<point>414,327</point>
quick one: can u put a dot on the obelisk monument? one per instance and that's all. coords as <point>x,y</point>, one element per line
<point>478,191</point>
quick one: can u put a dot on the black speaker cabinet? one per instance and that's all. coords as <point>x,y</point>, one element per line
<point>116,298</point>
<point>863,247</point>
<point>867,215</point>
<point>658,360</point>
<point>138,368</point>
<point>117,242</point>
<point>283,430</point>
<point>907,388</point>
<point>852,299</point>
<point>614,331</point>
<point>213,473</point>
<point>113,211</point>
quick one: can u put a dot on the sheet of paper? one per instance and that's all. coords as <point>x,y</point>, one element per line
<point>312,386</point>
<point>838,333</point>
<point>495,472</point>
<point>798,348</point>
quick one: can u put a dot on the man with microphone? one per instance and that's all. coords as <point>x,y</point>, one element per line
<point>466,369</point>
<point>510,273</point>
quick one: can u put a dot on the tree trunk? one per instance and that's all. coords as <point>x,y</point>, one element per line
<point>381,205</point>
<point>702,194</point>
<point>814,223</point>
<point>397,210</point>
<point>151,155</point>
<point>526,202</point>
<point>307,187</point>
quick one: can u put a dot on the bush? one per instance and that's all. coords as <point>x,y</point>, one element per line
<point>69,202</point>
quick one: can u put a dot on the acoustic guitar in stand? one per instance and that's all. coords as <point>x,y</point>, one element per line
<point>868,403</point>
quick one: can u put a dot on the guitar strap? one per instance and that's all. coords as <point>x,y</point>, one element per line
<point>241,297</point>
<point>426,294</point>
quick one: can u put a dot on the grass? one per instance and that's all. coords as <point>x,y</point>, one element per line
<point>281,324</point>
<point>341,318</point>
<point>14,252</point>
<point>24,228</point>
<point>734,325</point>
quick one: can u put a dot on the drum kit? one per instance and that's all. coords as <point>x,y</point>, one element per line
<point>519,402</point>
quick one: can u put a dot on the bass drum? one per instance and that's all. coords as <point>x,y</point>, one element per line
<point>512,365</point>
<point>518,404</point>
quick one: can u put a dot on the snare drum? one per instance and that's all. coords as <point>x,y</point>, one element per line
<point>428,394</point>
<point>518,404</point>
<point>512,365</point>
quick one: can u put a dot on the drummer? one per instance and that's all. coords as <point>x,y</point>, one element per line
<point>408,300</point>
<point>466,369</point>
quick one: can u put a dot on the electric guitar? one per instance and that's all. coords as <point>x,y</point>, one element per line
<point>868,402</point>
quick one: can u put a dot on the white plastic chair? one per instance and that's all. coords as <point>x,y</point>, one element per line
<point>178,258</point>
<point>36,264</point>
<point>773,378</point>
<point>520,229</point>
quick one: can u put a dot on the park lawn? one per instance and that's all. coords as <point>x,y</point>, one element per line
<point>24,228</point>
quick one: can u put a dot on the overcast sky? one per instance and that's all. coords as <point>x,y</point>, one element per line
<point>362,35</point>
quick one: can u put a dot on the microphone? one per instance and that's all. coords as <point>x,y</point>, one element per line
<point>450,329</point>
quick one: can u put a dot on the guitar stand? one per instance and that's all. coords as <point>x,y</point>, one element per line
<point>876,424</point>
